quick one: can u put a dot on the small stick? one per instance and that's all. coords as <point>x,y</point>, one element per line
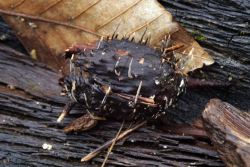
<point>143,100</point>
<point>66,111</point>
<point>143,35</point>
<point>106,95</point>
<point>100,42</point>
<point>112,145</point>
<point>129,69</point>
<point>168,41</point>
<point>173,48</point>
<point>107,144</point>
<point>199,83</point>
<point>138,92</point>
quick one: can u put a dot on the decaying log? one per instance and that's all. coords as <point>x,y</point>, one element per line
<point>28,121</point>
<point>229,130</point>
<point>30,101</point>
<point>222,27</point>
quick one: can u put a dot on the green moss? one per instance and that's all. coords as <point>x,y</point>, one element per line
<point>198,36</point>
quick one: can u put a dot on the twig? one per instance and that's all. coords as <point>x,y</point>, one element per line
<point>107,144</point>
<point>112,145</point>
<point>66,111</point>
<point>173,48</point>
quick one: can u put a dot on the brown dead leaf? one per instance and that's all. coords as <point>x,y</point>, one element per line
<point>51,26</point>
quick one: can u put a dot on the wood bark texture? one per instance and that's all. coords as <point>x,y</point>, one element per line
<point>229,130</point>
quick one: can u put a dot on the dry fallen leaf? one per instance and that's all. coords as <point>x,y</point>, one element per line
<point>49,27</point>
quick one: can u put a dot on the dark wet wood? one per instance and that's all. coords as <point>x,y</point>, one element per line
<point>229,130</point>
<point>222,28</point>
<point>28,120</point>
<point>28,113</point>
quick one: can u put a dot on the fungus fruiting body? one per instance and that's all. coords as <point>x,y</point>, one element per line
<point>122,79</point>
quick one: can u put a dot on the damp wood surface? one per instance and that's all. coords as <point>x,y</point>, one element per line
<point>229,130</point>
<point>30,101</point>
<point>30,106</point>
